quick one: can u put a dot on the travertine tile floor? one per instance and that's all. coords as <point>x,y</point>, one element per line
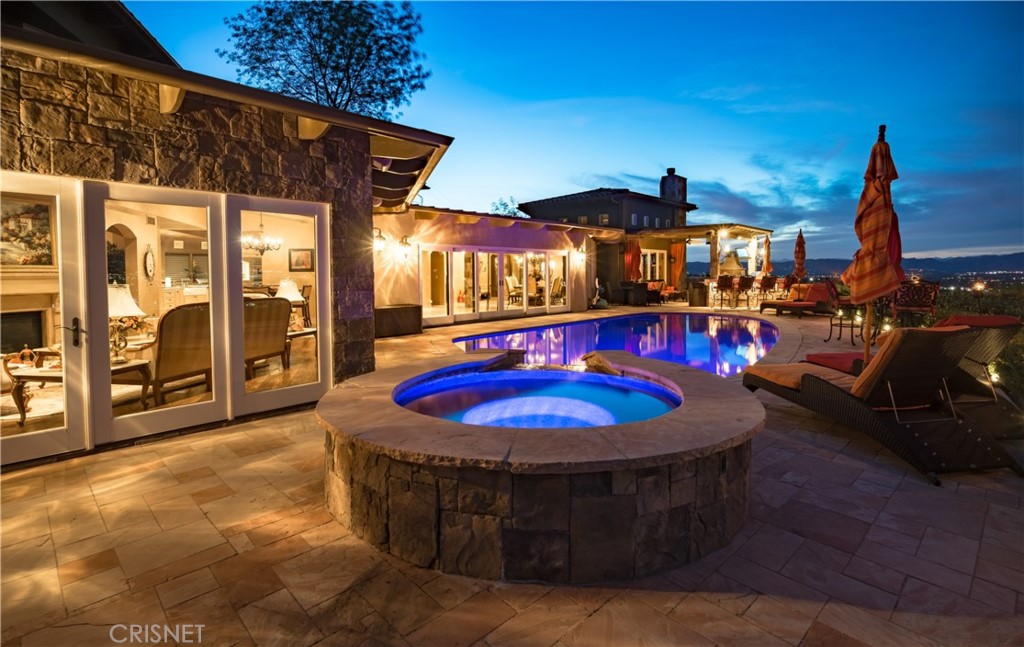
<point>227,529</point>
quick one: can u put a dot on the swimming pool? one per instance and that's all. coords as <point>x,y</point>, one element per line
<point>719,344</point>
<point>536,399</point>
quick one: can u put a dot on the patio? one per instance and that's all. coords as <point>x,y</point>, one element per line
<point>844,545</point>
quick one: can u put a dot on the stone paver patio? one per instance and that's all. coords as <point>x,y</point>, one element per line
<point>844,545</point>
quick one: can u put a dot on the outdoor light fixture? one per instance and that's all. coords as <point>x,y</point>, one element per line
<point>378,240</point>
<point>261,242</point>
<point>406,246</point>
<point>124,314</point>
<point>978,292</point>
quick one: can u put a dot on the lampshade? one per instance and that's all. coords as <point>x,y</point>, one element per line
<point>120,302</point>
<point>288,290</point>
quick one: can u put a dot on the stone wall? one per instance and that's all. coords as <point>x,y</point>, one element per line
<point>68,120</point>
<point>584,527</point>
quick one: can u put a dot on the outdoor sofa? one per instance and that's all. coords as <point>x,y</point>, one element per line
<point>898,400</point>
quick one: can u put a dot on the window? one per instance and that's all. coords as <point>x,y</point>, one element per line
<point>633,219</point>
<point>583,220</point>
<point>657,223</point>
<point>647,221</point>
<point>603,219</point>
<point>563,220</point>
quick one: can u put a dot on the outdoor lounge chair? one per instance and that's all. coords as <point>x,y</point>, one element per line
<point>817,298</point>
<point>894,400</point>
<point>975,398</point>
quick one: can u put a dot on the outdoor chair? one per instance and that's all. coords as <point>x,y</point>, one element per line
<point>723,287</point>
<point>898,400</point>
<point>913,300</point>
<point>974,396</point>
<point>182,350</point>
<point>654,292</point>
<point>766,288</point>
<point>265,332</point>
<point>743,289</point>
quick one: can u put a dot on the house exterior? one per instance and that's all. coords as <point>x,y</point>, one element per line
<point>450,266</point>
<point>191,191</point>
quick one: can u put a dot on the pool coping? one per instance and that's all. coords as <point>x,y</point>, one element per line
<point>716,414</point>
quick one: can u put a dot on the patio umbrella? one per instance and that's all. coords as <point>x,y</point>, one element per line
<point>799,256</point>
<point>875,270</point>
<point>766,265</point>
<point>633,259</point>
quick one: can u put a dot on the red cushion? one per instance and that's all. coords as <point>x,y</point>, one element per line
<point>979,321</point>
<point>817,292</point>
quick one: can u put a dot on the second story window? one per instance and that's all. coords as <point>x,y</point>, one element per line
<point>583,220</point>
<point>603,219</point>
<point>647,221</point>
<point>633,219</point>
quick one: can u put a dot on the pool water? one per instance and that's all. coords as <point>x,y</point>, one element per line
<point>537,398</point>
<point>719,344</point>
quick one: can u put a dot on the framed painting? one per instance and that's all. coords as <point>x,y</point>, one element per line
<point>28,239</point>
<point>300,260</point>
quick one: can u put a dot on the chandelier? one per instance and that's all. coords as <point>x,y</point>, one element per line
<point>261,242</point>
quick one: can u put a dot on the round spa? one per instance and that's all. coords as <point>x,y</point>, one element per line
<point>566,493</point>
<point>537,398</point>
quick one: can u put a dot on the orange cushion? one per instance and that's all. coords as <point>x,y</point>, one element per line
<point>817,292</point>
<point>790,375</point>
<point>798,292</point>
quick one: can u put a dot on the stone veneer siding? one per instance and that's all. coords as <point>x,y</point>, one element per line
<point>494,524</point>
<point>68,120</point>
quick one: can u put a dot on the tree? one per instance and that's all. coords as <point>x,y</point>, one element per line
<point>356,56</point>
<point>508,207</point>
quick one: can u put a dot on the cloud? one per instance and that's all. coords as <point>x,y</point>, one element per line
<point>729,93</point>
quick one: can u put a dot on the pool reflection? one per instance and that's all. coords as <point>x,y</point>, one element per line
<point>723,345</point>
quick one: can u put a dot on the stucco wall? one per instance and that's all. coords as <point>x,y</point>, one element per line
<point>68,120</point>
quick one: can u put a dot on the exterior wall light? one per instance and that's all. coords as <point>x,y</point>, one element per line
<point>378,240</point>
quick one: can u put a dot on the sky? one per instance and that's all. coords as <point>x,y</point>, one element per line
<point>769,109</point>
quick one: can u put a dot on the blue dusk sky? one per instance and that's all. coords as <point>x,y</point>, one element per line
<point>769,109</point>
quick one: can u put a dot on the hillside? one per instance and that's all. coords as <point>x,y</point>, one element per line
<point>933,268</point>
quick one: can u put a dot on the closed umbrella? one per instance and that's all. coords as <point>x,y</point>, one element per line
<point>766,265</point>
<point>875,271</point>
<point>633,259</point>
<point>800,256</point>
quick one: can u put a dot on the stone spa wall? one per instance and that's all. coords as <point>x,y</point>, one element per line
<point>552,506</point>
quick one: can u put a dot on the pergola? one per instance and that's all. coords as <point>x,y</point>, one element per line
<point>717,235</point>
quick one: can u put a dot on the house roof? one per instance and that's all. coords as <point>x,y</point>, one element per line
<point>600,234</point>
<point>101,24</point>
<point>725,229</point>
<point>403,157</point>
<point>597,194</point>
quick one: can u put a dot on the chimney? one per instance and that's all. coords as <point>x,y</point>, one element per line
<point>673,187</point>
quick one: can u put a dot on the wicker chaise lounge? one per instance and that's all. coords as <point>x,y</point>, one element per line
<point>975,398</point>
<point>894,400</point>
<point>817,298</point>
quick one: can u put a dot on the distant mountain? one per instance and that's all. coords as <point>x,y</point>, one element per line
<point>927,268</point>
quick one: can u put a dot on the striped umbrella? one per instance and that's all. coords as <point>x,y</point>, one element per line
<point>800,256</point>
<point>766,265</point>
<point>875,271</point>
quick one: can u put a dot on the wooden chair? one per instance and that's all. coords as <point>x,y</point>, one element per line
<point>515,293</point>
<point>265,331</point>
<point>307,291</point>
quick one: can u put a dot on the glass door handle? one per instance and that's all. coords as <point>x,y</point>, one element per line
<point>76,331</point>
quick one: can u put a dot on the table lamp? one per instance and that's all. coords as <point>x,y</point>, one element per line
<point>123,313</point>
<point>289,290</point>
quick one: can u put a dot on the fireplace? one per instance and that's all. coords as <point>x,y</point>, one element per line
<point>21,329</point>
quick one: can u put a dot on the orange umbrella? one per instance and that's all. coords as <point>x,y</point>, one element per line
<point>766,265</point>
<point>875,270</point>
<point>633,259</point>
<point>799,256</point>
